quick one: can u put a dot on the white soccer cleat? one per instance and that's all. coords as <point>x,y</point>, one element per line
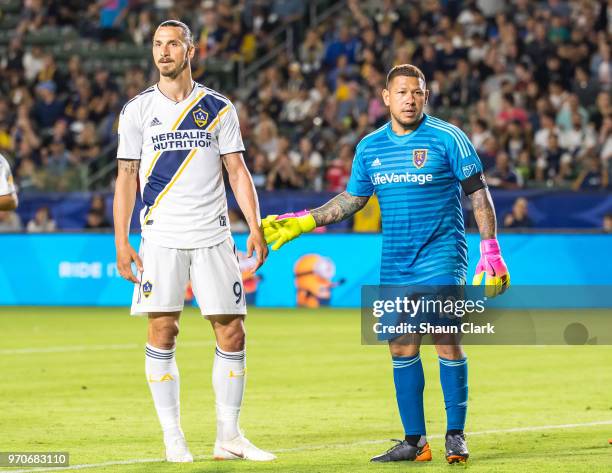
<point>177,451</point>
<point>240,449</point>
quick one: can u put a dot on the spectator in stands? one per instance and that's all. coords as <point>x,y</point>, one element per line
<point>602,109</point>
<point>511,112</point>
<point>60,133</point>
<point>57,159</point>
<point>601,66</point>
<point>345,44</point>
<point>584,87</point>
<point>579,138</point>
<point>519,216</point>
<point>604,141</point>
<point>311,53</point>
<point>464,87</point>
<point>259,171</point>
<point>98,204</point>
<point>607,223</point>
<point>283,175</point>
<point>42,221</point>
<point>48,108</point>
<point>113,13</point>
<point>28,177</point>
<point>33,16</point>
<point>570,107</point>
<point>547,127</point>
<point>288,11</point>
<point>524,166</point>
<point>488,154</point>
<point>33,63</point>
<point>310,164</point>
<point>503,174</point>
<point>142,27</point>
<point>95,220</point>
<point>339,169</point>
<point>212,38</point>
<point>87,143</point>
<point>480,133</point>
<point>266,136</point>
<point>549,160</point>
<point>515,139</point>
<point>593,175</point>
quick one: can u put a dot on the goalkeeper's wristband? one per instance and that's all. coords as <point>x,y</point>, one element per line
<point>490,247</point>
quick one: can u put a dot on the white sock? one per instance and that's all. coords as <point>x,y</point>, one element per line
<point>163,379</point>
<point>229,371</point>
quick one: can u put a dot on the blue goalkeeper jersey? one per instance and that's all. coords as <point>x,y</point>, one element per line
<point>417,178</point>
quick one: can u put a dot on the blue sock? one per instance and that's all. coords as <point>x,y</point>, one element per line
<point>409,384</point>
<point>454,380</point>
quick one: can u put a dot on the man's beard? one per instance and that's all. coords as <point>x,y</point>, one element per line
<point>174,73</point>
<point>409,125</point>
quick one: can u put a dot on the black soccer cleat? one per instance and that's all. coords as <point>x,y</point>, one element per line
<point>456,448</point>
<point>403,451</point>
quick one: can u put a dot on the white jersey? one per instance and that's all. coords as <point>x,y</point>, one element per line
<point>7,185</point>
<point>179,145</point>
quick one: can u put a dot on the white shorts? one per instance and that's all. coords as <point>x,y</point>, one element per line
<point>215,279</point>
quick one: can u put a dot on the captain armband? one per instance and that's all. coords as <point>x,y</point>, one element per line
<point>473,183</point>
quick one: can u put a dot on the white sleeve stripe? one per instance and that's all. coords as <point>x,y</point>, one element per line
<point>457,132</point>
<point>459,144</point>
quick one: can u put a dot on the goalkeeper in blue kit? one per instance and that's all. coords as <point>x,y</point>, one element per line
<point>418,166</point>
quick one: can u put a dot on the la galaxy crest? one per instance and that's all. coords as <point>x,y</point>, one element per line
<point>419,157</point>
<point>200,117</point>
<point>147,288</point>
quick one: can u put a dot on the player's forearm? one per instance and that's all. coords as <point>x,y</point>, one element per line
<point>246,196</point>
<point>339,208</point>
<point>484,213</point>
<point>125,198</point>
<point>8,202</point>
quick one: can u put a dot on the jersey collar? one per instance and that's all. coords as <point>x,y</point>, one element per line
<point>194,86</point>
<point>405,138</point>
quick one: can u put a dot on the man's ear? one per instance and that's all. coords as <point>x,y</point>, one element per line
<point>385,96</point>
<point>426,96</point>
<point>191,52</point>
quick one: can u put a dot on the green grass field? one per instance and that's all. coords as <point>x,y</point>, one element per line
<point>72,380</point>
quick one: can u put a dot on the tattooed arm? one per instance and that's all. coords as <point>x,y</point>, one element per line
<point>123,206</point>
<point>484,213</point>
<point>339,208</point>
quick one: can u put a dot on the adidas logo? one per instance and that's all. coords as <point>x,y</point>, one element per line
<point>155,122</point>
<point>376,163</point>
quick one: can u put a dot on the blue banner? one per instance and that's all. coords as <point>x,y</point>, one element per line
<point>312,271</point>
<point>547,208</point>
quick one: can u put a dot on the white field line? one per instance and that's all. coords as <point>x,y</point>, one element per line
<point>86,348</point>
<point>534,428</point>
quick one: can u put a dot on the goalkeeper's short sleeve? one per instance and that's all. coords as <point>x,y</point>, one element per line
<point>359,183</point>
<point>464,160</point>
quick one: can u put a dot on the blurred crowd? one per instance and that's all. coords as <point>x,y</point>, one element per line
<point>530,83</point>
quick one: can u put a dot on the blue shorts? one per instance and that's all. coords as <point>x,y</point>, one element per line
<point>439,287</point>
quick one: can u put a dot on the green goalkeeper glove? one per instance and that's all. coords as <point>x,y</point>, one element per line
<point>279,229</point>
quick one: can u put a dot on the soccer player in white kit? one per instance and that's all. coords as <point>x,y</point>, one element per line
<point>8,193</point>
<point>173,138</point>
